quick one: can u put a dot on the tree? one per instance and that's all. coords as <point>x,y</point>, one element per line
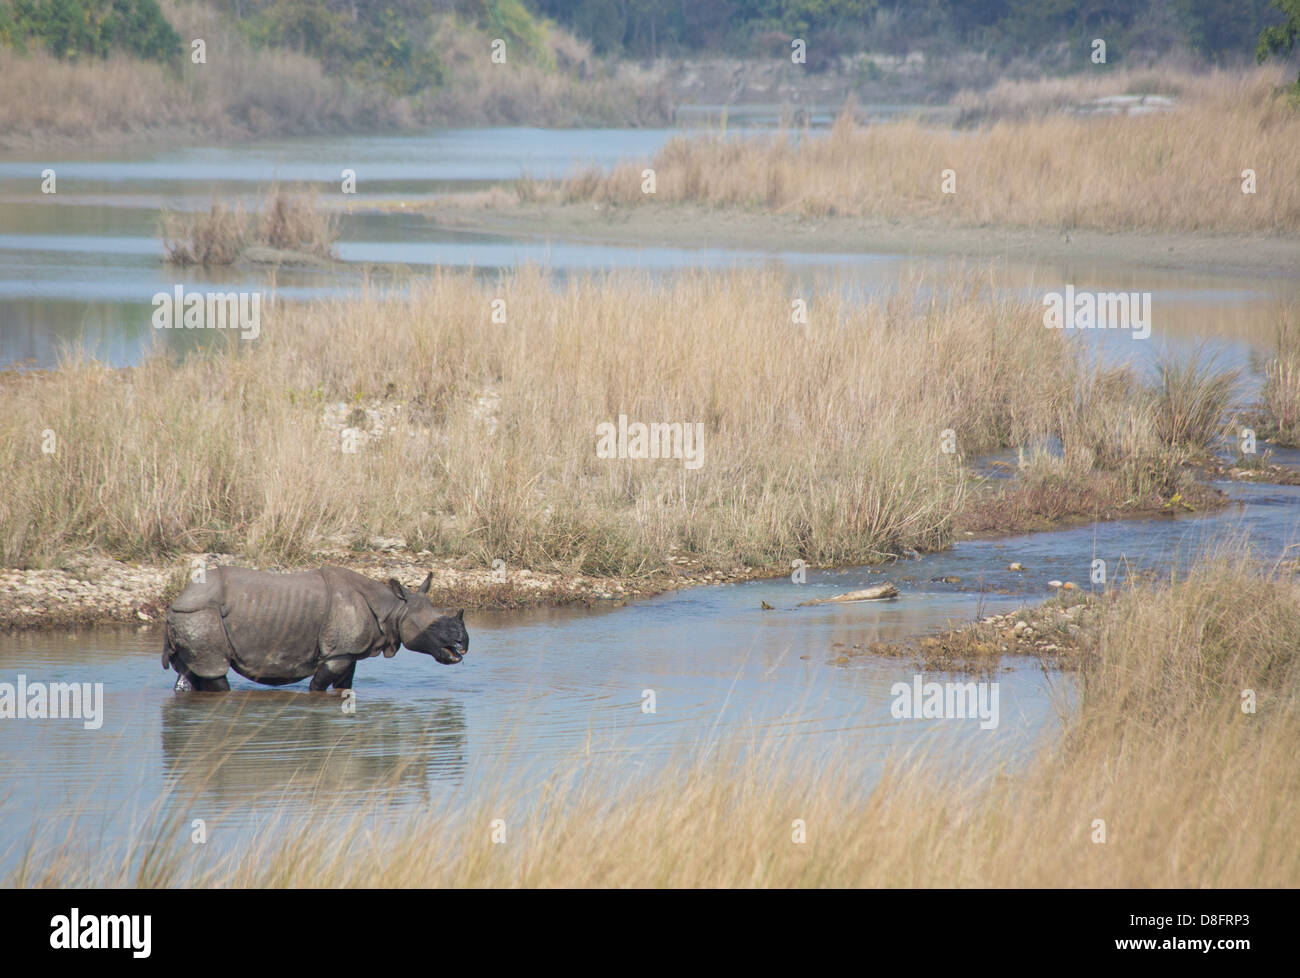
<point>1280,39</point>
<point>1216,27</point>
<point>70,28</point>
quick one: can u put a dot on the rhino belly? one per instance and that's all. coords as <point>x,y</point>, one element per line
<point>274,627</point>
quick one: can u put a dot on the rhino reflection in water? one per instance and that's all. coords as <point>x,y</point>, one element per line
<point>281,628</point>
<point>235,752</point>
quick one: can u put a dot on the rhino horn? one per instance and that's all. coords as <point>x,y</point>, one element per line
<point>424,588</point>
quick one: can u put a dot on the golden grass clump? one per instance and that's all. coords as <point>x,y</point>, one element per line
<point>1192,399</point>
<point>215,238</point>
<point>296,222</point>
<point>289,222</point>
<point>1281,392</point>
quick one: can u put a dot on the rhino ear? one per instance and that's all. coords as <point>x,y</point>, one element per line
<point>460,615</point>
<point>398,588</point>
<point>424,588</point>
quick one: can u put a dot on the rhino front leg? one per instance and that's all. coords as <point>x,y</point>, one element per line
<point>333,671</point>
<point>345,680</point>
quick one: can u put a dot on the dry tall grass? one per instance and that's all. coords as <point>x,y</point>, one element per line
<point>1192,790</point>
<point>1192,401</point>
<point>1125,445</point>
<point>215,238</point>
<point>295,222</point>
<point>1174,171</point>
<point>1281,393</point>
<point>820,441</point>
<point>240,93</point>
<point>290,221</point>
<point>1010,99</point>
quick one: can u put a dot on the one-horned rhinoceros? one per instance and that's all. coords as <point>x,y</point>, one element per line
<point>281,628</point>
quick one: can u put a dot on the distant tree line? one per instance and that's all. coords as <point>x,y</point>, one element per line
<point>1218,29</point>
<point>69,28</point>
<point>389,41</point>
<point>386,41</point>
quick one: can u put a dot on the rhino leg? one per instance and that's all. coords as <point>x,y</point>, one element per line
<point>337,671</point>
<point>345,681</point>
<point>219,685</point>
<point>197,648</point>
<point>188,682</point>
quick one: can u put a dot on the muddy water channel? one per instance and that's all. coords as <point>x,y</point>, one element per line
<point>541,691</point>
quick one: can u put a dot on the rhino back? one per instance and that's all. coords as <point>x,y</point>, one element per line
<point>274,622</point>
<point>200,595</point>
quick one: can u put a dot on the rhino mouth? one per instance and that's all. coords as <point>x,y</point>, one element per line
<point>449,655</point>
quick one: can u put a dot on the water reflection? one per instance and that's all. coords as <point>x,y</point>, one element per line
<point>250,747</point>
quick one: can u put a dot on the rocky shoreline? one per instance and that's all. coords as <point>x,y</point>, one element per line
<point>1054,632</point>
<point>89,590</point>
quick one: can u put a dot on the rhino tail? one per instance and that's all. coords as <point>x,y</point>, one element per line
<point>167,651</point>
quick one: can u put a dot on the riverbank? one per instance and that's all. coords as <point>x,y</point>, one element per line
<point>697,226</point>
<point>90,590</point>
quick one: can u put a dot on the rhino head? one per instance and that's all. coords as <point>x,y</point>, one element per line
<point>423,628</point>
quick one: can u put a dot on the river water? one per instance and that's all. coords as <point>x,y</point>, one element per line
<point>539,689</point>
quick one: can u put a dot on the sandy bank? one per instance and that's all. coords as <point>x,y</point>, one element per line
<point>694,226</point>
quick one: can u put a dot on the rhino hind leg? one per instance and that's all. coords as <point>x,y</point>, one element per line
<point>186,682</point>
<point>197,648</point>
<point>219,685</point>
